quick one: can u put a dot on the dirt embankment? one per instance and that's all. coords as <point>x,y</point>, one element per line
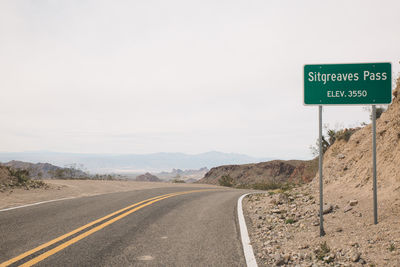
<point>277,171</point>
<point>285,227</point>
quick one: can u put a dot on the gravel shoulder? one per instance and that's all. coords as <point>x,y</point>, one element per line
<point>284,228</point>
<point>77,188</point>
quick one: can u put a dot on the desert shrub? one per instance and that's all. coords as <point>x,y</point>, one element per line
<point>272,186</point>
<point>58,173</point>
<point>315,148</point>
<point>345,134</point>
<point>332,137</point>
<point>266,186</point>
<point>178,181</point>
<point>287,186</point>
<point>379,111</point>
<point>290,221</point>
<point>322,251</point>
<point>22,176</point>
<point>226,180</point>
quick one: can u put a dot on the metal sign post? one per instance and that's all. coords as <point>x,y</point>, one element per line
<point>321,196</point>
<point>374,163</point>
<point>348,84</point>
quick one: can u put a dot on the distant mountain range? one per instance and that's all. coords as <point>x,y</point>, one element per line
<point>133,163</point>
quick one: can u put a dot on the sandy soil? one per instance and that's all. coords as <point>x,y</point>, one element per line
<point>77,188</point>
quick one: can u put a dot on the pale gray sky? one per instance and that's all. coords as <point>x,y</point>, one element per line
<point>179,76</point>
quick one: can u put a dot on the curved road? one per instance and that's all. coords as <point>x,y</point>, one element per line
<point>157,227</point>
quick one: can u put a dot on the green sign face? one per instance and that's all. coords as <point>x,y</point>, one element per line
<point>348,84</point>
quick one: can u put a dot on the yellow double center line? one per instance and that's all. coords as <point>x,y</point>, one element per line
<point>130,209</point>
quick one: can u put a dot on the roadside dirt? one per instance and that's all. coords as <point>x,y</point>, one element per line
<point>77,188</point>
<point>284,228</point>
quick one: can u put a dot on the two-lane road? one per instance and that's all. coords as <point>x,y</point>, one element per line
<point>157,227</point>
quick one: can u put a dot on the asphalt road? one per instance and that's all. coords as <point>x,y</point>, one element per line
<point>138,228</point>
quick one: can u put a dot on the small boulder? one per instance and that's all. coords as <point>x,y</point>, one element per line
<point>327,209</point>
<point>279,260</point>
<point>277,211</point>
<point>315,223</point>
<point>353,202</point>
<point>347,208</point>
<point>329,258</point>
<point>286,259</point>
<point>355,256</point>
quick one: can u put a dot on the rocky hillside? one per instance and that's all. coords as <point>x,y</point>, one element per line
<point>11,178</point>
<point>276,171</point>
<point>39,170</point>
<point>148,177</point>
<point>45,170</point>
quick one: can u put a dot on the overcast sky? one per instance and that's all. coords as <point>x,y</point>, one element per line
<point>179,76</point>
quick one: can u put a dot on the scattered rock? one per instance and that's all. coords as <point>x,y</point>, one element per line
<point>276,211</point>
<point>353,202</point>
<point>354,244</point>
<point>327,209</point>
<point>329,258</point>
<point>279,242</point>
<point>279,260</point>
<point>347,208</point>
<point>286,258</point>
<point>355,256</point>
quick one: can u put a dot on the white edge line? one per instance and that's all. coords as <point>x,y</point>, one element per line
<point>247,248</point>
<point>37,203</point>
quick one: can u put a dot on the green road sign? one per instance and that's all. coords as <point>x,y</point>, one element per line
<point>348,84</point>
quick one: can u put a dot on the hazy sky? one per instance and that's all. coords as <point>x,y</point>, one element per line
<point>179,76</point>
